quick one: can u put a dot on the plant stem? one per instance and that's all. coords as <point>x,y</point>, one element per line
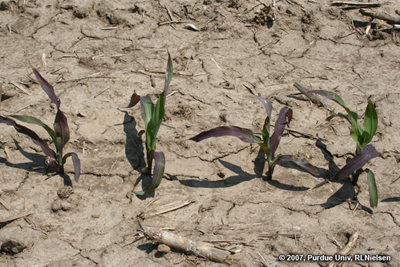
<point>269,174</point>
<point>61,169</point>
<point>149,162</point>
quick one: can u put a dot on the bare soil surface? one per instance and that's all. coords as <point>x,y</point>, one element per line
<point>96,53</point>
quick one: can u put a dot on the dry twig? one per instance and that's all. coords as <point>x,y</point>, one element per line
<point>184,204</point>
<point>102,92</point>
<point>395,180</point>
<point>170,22</point>
<point>20,88</point>
<point>391,19</point>
<point>186,245</point>
<point>15,217</point>
<point>5,204</point>
<point>293,236</point>
<point>356,4</point>
<point>346,250</point>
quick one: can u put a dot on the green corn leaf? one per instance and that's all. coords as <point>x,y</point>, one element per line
<point>267,151</point>
<point>155,122</point>
<point>333,96</point>
<point>33,120</point>
<point>265,131</point>
<point>35,138</point>
<point>356,132</point>
<point>373,191</point>
<point>341,115</point>
<point>158,172</point>
<point>370,121</point>
<point>146,108</point>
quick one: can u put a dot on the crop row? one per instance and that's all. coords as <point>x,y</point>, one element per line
<point>153,114</point>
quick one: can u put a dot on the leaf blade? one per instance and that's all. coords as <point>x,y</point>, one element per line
<point>367,153</point>
<point>146,109</point>
<point>285,116</point>
<point>76,162</point>
<point>266,103</point>
<point>168,77</point>
<point>243,134</point>
<point>158,172</point>
<point>300,162</point>
<point>135,98</point>
<point>370,121</point>
<point>47,88</point>
<point>33,120</point>
<point>373,190</point>
<point>332,96</point>
<point>35,138</point>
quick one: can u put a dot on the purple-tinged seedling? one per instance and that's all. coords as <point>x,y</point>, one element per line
<point>152,117</point>
<point>59,136</point>
<point>269,143</point>
<point>365,151</point>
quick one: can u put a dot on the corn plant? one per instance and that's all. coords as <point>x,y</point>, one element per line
<point>152,116</point>
<point>59,136</point>
<point>268,143</point>
<point>365,151</point>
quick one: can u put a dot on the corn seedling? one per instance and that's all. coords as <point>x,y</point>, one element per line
<point>365,151</point>
<point>152,116</point>
<point>269,143</point>
<point>59,136</point>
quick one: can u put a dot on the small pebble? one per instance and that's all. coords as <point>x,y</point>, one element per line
<point>163,248</point>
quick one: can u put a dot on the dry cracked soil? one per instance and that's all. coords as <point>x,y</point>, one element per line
<point>97,53</point>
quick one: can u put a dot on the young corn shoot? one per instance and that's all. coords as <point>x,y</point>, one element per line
<point>59,136</point>
<point>152,116</point>
<point>269,143</point>
<point>365,151</point>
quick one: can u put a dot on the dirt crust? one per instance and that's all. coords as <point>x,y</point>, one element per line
<point>97,53</point>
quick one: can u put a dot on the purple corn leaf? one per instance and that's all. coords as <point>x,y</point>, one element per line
<point>53,165</point>
<point>243,134</point>
<point>321,184</point>
<point>300,162</point>
<point>373,191</point>
<point>266,103</point>
<point>1,92</point>
<point>158,172</point>
<point>47,88</point>
<point>367,153</point>
<point>280,126</point>
<point>77,164</point>
<point>61,127</point>
<point>35,138</point>
<point>135,98</point>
